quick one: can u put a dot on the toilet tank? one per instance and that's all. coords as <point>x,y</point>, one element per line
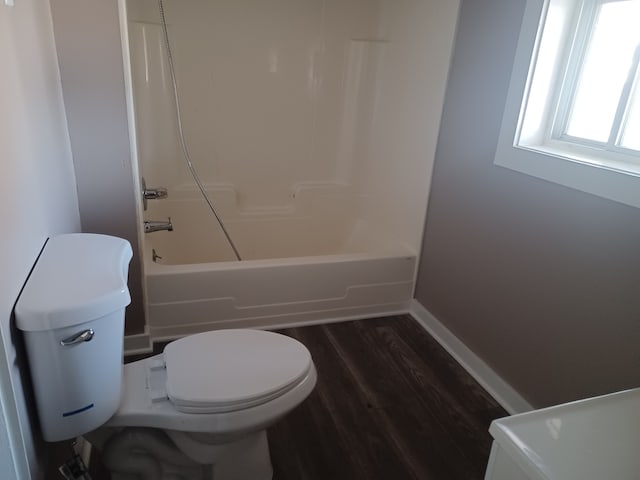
<point>71,313</point>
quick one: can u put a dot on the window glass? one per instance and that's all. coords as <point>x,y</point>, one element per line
<point>605,70</point>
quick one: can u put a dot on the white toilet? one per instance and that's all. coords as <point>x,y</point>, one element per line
<point>199,410</point>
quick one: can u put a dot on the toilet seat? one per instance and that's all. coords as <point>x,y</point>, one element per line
<point>228,370</point>
<point>145,402</point>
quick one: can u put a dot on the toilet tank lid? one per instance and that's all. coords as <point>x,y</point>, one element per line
<point>78,277</point>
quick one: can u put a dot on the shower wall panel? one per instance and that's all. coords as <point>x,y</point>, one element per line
<point>280,94</point>
<point>394,174</point>
<point>158,147</point>
<point>261,86</point>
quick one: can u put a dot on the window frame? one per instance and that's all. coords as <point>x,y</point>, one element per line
<point>606,170</point>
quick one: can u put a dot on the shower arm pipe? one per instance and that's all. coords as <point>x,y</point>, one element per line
<point>183,143</point>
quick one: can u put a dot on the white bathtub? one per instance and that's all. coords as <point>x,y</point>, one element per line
<point>313,263</point>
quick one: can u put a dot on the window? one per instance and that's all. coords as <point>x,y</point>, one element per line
<point>573,108</point>
<point>602,109</point>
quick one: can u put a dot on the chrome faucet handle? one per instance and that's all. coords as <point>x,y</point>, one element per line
<point>152,193</point>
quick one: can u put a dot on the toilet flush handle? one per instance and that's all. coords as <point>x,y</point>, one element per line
<point>84,336</point>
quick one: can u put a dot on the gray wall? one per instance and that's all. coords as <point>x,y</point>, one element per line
<point>87,37</point>
<point>541,281</point>
<point>37,201</point>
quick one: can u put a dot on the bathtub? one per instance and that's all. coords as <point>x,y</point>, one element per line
<point>311,262</point>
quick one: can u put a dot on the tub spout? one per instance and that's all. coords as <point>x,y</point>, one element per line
<point>155,226</point>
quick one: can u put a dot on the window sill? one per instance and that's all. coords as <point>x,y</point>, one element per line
<point>610,178</point>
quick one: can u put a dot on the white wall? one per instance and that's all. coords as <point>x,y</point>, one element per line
<point>37,199</point>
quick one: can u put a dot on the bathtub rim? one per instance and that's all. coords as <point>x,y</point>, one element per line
<point>155,268</point>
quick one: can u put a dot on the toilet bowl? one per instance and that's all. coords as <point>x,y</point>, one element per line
<point>199,410</point>
<point>213,394</point>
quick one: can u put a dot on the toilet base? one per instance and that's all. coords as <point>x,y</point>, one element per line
<point>154,454</point>
<point>245,458</point>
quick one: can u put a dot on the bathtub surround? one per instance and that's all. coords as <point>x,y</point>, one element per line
<point>287,94</point>
<point>314,265</point>
<point>539,280</point>
<point>308,143</point>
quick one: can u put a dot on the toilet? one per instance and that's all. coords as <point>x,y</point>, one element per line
<point>198,410</point>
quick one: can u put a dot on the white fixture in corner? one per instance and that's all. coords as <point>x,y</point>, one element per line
<point>8,3</point>
<point>593,439</point>
<point>201,406</point>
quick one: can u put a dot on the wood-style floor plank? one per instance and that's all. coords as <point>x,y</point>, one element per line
<point>338,395</point>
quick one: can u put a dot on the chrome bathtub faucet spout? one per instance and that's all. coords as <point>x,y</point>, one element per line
<point>156,226</point>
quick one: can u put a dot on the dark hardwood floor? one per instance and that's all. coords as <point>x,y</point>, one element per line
<point>390,403</point>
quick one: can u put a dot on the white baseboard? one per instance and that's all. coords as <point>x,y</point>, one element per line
<point>500,390</point>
